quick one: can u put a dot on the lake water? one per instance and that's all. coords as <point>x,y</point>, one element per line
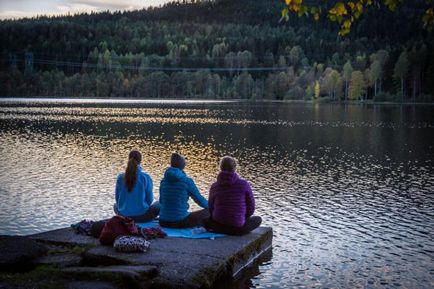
<point>348,190</point>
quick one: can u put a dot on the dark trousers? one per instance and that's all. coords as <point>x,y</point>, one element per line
<point>251,223</point>
<point>150,214</point>
<point>194,219</point>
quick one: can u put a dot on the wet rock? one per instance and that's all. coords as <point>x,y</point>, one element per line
<point>17,253</point>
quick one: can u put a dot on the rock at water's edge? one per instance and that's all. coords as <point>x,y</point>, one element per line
<point>18,252</point>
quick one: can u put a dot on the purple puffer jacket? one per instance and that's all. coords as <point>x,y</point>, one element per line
<point>231,200</point>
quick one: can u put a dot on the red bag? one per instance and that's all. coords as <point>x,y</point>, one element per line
<point>115,227</point>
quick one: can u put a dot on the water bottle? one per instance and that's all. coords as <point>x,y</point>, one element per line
<point>198,230</point>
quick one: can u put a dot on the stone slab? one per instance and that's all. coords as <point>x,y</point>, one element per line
<point>191,263</point>
<point>181,263</point>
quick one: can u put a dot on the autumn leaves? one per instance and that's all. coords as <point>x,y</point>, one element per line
<point>345,13</point>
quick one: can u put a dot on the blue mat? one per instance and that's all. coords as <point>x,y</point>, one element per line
<point>181,233</point>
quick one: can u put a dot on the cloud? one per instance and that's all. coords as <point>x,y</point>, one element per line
<point>15,14</point>
<point>15,9</point>
<point>110,4</point>
<point>116,5</point>
<point>74,8</point>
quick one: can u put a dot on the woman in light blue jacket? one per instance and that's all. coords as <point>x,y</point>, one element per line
<point>133,193</point>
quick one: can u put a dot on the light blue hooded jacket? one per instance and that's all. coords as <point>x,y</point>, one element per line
<point>138,201</point>
<point>175,189</point>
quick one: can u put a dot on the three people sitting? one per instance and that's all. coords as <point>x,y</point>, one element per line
<point>228,210</point>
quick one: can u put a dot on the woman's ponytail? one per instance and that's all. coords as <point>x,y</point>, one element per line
<point>131,171</point>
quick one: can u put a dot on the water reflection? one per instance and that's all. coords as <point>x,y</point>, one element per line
<point>347,190</point>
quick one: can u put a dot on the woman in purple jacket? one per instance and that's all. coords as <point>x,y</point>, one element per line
<point>231,203</point>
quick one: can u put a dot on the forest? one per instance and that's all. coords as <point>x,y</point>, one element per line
<point>224,49</point>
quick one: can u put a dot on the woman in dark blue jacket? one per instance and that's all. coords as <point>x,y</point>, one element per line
<point>175,190</point>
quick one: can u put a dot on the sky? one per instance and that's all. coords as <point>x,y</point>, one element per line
<point>28,8</point>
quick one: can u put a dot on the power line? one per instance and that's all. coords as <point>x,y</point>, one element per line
<point>71,64</point>
<point>236,55</point>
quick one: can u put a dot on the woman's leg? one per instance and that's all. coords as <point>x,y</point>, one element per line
<point>155,208</point>
<point>152,212</point>
<point>250,224</point>
<point>194,219</point>
<point>221,228</point>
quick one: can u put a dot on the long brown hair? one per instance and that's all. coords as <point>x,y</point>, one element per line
<point>134,158</point>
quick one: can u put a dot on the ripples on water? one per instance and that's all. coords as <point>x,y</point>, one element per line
<point>347,190</point>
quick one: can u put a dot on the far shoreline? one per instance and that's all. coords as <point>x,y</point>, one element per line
<point>123,100</point>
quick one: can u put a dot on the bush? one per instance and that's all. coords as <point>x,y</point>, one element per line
<point>386,96</point>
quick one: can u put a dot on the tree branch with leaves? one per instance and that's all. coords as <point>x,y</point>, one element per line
<point>346,13</point>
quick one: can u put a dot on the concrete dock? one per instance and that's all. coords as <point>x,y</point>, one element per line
<point>170,263</point>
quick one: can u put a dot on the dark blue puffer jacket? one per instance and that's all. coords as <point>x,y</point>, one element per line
<point>175,189</point>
